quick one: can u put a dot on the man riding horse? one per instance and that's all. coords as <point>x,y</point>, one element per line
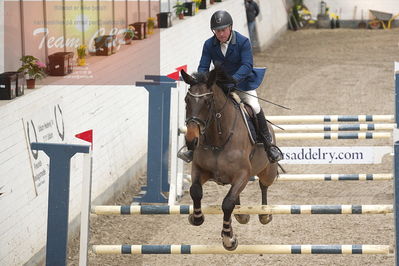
<point>233,53</point>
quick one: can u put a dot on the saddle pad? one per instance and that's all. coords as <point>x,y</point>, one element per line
<point>247,119</point>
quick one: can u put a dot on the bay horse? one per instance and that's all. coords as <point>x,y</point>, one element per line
<point>223,151</point>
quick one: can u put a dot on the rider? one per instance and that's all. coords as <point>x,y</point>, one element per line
<point>233,52</point>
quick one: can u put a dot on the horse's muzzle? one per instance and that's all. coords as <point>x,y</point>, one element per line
<point>195,121</point>
<point>192,134</point>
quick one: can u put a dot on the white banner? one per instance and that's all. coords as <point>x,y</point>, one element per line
<point>47,125</point>
<point>335,155</point>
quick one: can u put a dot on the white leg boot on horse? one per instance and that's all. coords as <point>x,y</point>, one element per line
<point>273,152</point>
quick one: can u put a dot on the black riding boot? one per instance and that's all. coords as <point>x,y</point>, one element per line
<point>186,156</point>
<point>273,152</point>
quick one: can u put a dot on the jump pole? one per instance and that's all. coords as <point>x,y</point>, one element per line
<point>333,127</point>
<point>330,118</point>
<point>343,135</point>
<point>241,249</point>
<point>334,177</point>
<point>261,209</point>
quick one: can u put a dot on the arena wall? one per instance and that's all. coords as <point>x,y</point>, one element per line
<point>352,10</point>
<point>118,117</point>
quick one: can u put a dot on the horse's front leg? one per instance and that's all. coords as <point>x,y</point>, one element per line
<point>229,240</point>
<point>197,218</point>
<point>241,218</point>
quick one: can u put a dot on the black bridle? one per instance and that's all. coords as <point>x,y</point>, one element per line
<point>213,114</point>
<point>203,125</point>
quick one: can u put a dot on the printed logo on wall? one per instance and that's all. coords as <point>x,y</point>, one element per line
<point>335,155</point>
<point>45,126</point>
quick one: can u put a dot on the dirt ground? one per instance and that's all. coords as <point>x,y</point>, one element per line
<point>313,72</point>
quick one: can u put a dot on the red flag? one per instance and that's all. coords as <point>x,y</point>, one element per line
<point>174,75</point>
<point>86,136</point>
<point>182,67</point>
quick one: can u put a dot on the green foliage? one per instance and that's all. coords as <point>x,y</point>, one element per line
<point>81,51</point>
<point>32,67</point>
<point>179,8</point>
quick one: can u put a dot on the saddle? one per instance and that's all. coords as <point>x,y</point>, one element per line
<point>249,116</point>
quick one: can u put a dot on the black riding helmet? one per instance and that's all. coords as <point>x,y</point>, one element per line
<point>221,19</point>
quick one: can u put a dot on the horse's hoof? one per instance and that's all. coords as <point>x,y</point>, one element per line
<point>265,218</point>
<point>230,244</point>
<point>242,218</point>
<point>196,221</point>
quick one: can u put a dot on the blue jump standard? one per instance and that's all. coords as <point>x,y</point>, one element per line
<point>158,138</point>
<point>58,200</point>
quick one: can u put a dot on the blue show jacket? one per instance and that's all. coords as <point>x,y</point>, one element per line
<point>238,61</point>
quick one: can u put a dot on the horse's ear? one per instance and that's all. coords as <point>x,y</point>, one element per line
<point>187,78</point>
<point>211,78</point>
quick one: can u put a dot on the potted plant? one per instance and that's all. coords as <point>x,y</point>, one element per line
<point>33,69</point>
<point>81,50</point>
<point>150,25</point>
<point>197,5</point>
<point>180,9</point>
<point>129,34</point>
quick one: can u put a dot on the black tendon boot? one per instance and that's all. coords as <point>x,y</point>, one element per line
<point>186,156</point>
<point>273,152</point>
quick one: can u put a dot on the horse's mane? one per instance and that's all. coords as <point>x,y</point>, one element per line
<point>201,77</point>
<point>221,78</point>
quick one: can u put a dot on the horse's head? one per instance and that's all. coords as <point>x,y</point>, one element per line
<point>205,89</point>
<point>199,105</point>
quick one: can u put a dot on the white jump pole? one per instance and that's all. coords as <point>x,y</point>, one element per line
<point>173,146</point>
<point>180,140</point>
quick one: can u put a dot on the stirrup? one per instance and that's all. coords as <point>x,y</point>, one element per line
<point>186,156</point>
<point>275,155</point>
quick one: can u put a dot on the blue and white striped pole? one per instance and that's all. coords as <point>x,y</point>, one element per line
<point>241,249</point>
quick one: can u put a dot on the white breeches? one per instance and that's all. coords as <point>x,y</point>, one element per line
<point>253,101</point>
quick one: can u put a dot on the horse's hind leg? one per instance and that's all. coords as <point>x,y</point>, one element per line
<point>241,218</point>
<point>264,218</point>
<point>266,178</point>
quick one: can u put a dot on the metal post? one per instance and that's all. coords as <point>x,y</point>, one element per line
<point>58,200</point>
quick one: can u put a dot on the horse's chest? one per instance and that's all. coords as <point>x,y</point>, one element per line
<point>218,169</point>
